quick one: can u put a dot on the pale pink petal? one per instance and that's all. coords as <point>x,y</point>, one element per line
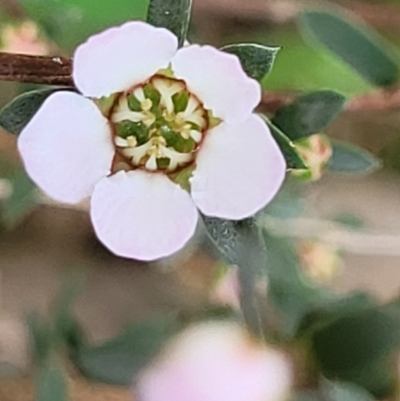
<point>142,215</point>
<point>239,170</point>
<point>216,362</point>
<point>122,57</point>
<point>218,80</point>
<point>67,147</point>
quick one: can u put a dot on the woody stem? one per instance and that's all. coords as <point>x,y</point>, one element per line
<point>36,69</point>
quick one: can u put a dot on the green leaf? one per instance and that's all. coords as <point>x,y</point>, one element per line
<point>292,156</point>
<point>354,43</point>
<point>241,243</point>
<point>257,60</point>
<point>336,391</point>
<point>22,201</point>
<point>335,308</point>
<point>348,158</point>
<point>354,341</point>
<point>66,329</point>
<point>17,114</point>
<point>119,360</point>
<point>171,14</point>
<point>309,114</point>
<point>41,337</point>
<point>51,384</point>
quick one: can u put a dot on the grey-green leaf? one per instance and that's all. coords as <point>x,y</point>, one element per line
<point>51,384</point>
<point>341,391</point>
<point>229,237</point>
<point>257,60</point>
<point>348,158</point>
<point>119,360</point>
<point>241,243</point>
<point>293,159</point>
<point>309,114</point>
<point>17,114</point>
<point>354,43</point>
<point>171,14</point>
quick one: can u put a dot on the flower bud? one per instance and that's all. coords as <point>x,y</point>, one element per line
<point>321,261</point>
<point>316,150</point>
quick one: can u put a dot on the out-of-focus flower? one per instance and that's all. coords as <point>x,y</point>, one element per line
<point>316,150</point>
<point>151,116</point>
<point>24,38</point>
<point>214,362</point>
<point>321,261</point>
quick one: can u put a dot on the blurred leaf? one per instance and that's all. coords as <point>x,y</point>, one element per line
<point>354,43</point>
<point>309,114</point>
<point>348,158</point>
<point>328,312</point>
<point>22,200</point>
<point>336,391</point>
<point>121,359</point>
<point>315,67</point>
<point>17,114</point>
<point>41,337</point>
<point>355,341</point>
<point>292,156</point>
<point>66,330</point>
<point>257,60</point>
<point>288,287</point>
<point>390,154</point>
<point>350,221</point>
<point>306,396</point>
<point>51,384</point>
<point>171,14</point>
<point>70,22</point>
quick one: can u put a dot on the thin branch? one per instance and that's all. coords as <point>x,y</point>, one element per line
<point>285,11</point>
<point>378,101</point>
<point>58,71</point>
<point>36,69</point>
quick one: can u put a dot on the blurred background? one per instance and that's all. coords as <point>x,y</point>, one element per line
<point>346,227</point>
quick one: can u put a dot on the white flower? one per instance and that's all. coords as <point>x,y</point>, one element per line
<point>170,109</point>
<point>216,362</point>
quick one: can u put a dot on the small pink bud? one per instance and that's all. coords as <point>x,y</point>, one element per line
<point>316,150</point>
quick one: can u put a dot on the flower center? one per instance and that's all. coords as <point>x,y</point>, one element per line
<point>159,125</point>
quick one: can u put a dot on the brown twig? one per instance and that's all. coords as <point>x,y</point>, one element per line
<point>285,11</point>
<point>378,101</point>
<point>36,69</point>
<point>58,71</point>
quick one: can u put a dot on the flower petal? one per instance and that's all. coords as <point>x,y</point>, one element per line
<point>239,170</point>
<point>142,215</point>
<point>67,147</point>
<point>218,80</point>
<point>216,361</point>
<point>121,57</point>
